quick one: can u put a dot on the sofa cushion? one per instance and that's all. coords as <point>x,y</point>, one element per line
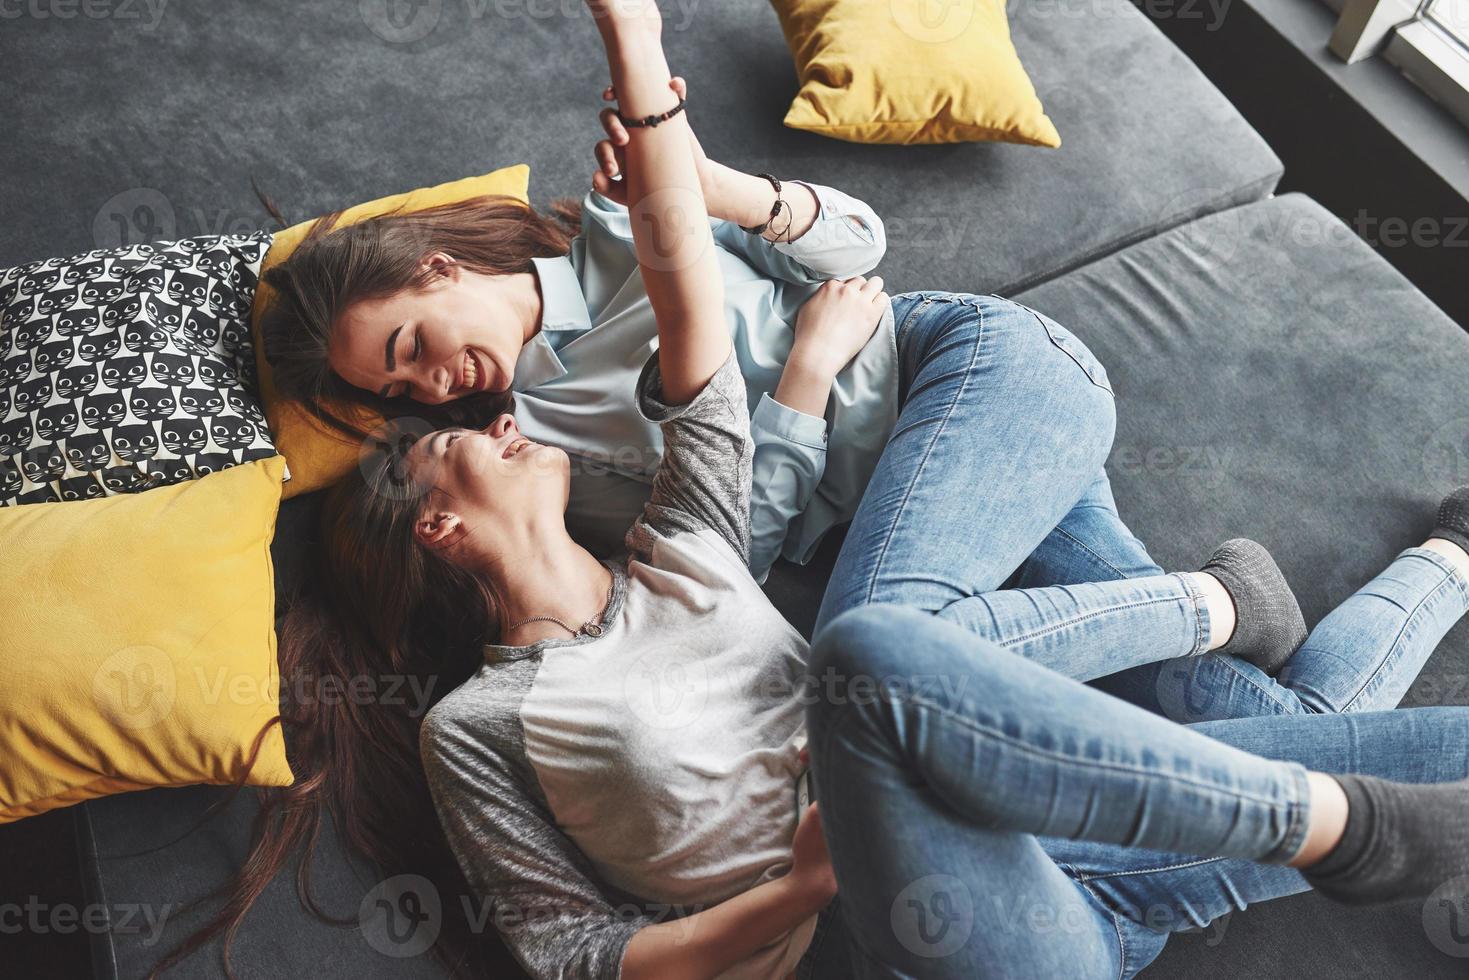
<point>1277,379</point>
<point>892,73</point>
<point>128,368</point>
<point>139,642</point>
<point>383,104</point>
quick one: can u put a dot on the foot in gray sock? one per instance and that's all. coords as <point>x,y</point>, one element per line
<point>1402,840</point>
<point>1268,625</point>
<point>1453,518</point>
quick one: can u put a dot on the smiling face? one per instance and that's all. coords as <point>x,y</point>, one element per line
<point>459,334</point>
<point>486,480</point>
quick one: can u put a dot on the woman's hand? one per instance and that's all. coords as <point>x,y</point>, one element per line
<point>832,328</point>
<point>706,944</point>
<point>811,875</point>
<point>836,323</point>
<point>729,194</point>
<point>611,154</point>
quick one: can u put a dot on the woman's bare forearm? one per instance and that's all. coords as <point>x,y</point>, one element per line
<point>746,200</point>
<point>670,225</point>
<point>804,386</point>
<point>706,944</point>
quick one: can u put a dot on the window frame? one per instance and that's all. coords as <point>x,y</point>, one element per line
<point>1408,37</point>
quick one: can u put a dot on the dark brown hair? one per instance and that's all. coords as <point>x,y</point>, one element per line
<point>334,268</point>
<point>385,608</point>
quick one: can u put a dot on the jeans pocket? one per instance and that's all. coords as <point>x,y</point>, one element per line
<point>1073,348</point>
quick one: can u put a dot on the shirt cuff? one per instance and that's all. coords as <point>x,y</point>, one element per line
<point>788,425</point>
<point>850,215</point>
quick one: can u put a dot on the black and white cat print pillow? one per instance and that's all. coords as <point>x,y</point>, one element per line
<point>130,368</point>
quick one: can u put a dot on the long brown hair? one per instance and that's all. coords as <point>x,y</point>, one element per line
<point>385,608</point>
<point>334,268</point>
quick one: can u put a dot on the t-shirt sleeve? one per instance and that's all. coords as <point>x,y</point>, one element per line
<point>703,480</point>
<point>542,896</point>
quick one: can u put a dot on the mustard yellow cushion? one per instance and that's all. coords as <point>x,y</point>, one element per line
<point>137,641</point>
<point>318,455</point>
<point>910,71</point>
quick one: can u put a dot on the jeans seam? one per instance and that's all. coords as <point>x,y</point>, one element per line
<point>1147,774</point>
<point>1090,551</point>
<point>1230,664</point>
<point>1083,617</point>
<point>1111,914</point>
<point>1396,643</point>
<point>1203,625</point>
<point>853,938</point>
<point>1298,820</point>
<point>1082,876</point>
<point>927,453</point>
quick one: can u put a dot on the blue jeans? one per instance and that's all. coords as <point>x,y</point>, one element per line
<point>938,536</point>
<point>993,479</point>
<point>1005,422</point>
<point>987,816</point>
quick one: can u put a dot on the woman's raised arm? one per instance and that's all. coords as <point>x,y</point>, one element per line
<point>670,221</point>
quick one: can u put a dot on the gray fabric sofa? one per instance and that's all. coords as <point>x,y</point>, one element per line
<point>1275,378</point>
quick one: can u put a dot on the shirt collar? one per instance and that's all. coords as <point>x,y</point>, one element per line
<point>563,310</point>
<point>563,307</point>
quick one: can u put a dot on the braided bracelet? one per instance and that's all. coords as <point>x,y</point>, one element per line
<point>775,210</point>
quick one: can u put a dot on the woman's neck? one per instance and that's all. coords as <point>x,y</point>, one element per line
<point>548,575</point>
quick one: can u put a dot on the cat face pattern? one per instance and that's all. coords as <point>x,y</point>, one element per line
<point>125,369</point>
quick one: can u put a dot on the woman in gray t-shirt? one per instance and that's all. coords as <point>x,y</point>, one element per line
<point>621,778</point>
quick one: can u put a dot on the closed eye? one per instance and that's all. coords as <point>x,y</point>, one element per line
<point>417,345</point>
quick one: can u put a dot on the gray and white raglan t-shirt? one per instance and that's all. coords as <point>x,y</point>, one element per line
<point>592,786</point>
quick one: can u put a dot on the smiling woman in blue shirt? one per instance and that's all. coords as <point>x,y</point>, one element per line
<point>449,313</point>
<point>484,296</point>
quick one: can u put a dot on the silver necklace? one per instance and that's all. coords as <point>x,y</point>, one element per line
<point>592,627</point>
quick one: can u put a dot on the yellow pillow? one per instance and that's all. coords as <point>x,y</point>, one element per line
<point>910,71</point>
<point>320,456</point>
<point>137,641</point>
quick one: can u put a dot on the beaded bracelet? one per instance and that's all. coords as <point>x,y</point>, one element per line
<point>653,120</point>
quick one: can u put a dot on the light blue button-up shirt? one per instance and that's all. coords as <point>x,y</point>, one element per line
<point>575,380</point>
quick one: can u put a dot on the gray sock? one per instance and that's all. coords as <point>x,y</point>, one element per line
<point>1268,625</point>
<point>1453,518</point>
<point>1401,841</point>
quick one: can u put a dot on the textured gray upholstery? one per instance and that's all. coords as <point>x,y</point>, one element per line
<point>114,117</point>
